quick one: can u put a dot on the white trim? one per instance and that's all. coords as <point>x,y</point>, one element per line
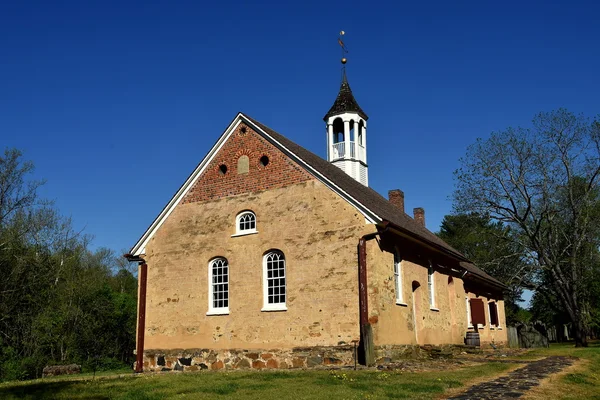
<point>211,309</point>
<point>490,314</point>
<point>274,306</point>
<point>431,285</point>
<point>245,233</point>
<point>238,231</point>
<point>217,312</point>
<point>468,302</point>
<point>140,247</point>
<point>398,281</point>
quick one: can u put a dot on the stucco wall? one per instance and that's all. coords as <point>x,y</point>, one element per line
<point>413,320</point>
<point>316,230</point>
<point>395,323</point>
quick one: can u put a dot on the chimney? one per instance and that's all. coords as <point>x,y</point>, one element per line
<point>396,197</point>
<point>419,214</point>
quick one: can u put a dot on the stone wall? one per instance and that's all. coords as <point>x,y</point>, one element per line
<point>201,359</point>
<point>316,230</point>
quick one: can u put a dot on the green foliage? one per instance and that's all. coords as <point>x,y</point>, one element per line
<point>543,183</point>
<point>490,246</point>
<point>60,302</point>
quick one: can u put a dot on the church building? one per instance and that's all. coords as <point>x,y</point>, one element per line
<point>270,256</point>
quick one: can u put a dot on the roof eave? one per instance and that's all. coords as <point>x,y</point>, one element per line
<point>459,257</point>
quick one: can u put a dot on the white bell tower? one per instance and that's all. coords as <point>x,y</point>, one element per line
<point>347,132</point>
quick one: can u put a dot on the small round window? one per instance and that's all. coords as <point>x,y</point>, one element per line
<point>264,161</point>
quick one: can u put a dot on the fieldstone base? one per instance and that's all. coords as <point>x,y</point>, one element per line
<point>201,359</point>
<point>389,353</point>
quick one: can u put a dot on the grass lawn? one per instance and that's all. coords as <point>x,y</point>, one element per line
<point>581,380</point>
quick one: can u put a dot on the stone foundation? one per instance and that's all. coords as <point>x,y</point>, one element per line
<point>299,357</point>
<point>202,359</point>
<point>390,353</point>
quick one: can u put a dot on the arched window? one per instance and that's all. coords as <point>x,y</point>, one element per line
<point>218,286</point>
<point>361,129</point>
<point>338,130</point>
<point>398,278</point>
<point>274,281</point>
<point>245,223</point>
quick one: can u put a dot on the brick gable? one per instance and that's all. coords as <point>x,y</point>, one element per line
<point>244,141</point>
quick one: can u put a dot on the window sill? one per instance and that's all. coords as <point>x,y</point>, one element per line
<point>218,312</point>
<point>399,303</point>
<point>244,233</point>
<point>274,308</point>
<point>499,328</point>
<point>434,309</point>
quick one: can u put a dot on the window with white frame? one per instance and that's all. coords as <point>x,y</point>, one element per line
<point>398,278</point>
<point>469,322</point>
<point>274,281</point>
<point>431,284</point>
<point>245,223</point>
<point>218,288</point>
<point>493,313</point>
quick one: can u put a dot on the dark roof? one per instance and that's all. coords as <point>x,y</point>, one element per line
<point>373,201</point>
<point>345,101</point>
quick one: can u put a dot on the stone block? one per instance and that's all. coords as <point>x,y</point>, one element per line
<point>298,362</point>
<point>331,361</point>
<point>258,364</point>
<point>185,361</point>
<point>314,361</point>
<point>217,365</point>
<point>272,363</point>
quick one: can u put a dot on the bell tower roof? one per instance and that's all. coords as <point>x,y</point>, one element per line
<point>345,101</point>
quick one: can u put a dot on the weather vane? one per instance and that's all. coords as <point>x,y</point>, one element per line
<point>344,49</point>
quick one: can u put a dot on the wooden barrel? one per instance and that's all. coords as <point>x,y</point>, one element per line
<point>472,339</point>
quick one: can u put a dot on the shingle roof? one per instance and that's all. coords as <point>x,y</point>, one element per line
<point>345,102</point>
<point>374,201</point>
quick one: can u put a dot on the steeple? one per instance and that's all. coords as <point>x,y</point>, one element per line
<point>345,101</point>
<point>347,130</point>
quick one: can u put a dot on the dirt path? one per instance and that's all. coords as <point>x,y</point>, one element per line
<point>516,383</point>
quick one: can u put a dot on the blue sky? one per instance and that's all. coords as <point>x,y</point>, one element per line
<point>117,102</point>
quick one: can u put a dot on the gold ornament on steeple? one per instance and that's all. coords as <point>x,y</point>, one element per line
<point>343,46</point>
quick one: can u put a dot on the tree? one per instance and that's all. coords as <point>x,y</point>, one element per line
<point>490,246</point>
<point>59,301</point>
<point>543,183</point>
